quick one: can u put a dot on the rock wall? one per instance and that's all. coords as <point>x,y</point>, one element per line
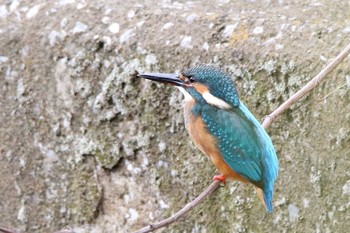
<point>89,146</point>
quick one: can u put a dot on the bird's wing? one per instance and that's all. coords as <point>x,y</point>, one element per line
<point>238,141</point>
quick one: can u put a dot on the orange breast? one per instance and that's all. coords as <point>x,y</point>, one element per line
<point>206,142</point>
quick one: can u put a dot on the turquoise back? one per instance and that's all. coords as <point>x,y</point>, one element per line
<point>243,143</point>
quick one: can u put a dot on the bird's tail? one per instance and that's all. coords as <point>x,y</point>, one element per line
<point>266,198</point>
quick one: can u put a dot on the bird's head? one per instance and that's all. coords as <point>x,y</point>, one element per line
<point>202,83</point>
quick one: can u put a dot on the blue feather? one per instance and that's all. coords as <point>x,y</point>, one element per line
<point>244,145</point>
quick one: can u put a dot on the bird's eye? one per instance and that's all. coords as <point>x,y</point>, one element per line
<point>191,79</point>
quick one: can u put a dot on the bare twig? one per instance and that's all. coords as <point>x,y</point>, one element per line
<point>332,92</point>
<point>268,120</point>
<point>183,211</point>
<point>5,230</point>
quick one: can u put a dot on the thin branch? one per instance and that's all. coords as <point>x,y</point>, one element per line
<point>213,186</point>
<point>268,120</point>
<point>5,230</point>
<point>332,92</point>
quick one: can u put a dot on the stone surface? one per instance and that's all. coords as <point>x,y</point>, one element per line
<point>86,145</point>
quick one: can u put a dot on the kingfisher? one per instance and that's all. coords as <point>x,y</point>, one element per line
<point>223,128</point>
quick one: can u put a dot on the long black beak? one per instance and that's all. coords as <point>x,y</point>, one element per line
<point>173,79</point>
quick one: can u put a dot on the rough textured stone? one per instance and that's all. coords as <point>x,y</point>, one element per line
<point>87,145</point>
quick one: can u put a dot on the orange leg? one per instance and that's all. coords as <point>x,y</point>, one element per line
<point>221,178</point>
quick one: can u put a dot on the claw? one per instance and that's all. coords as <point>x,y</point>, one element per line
<point>221,178</point>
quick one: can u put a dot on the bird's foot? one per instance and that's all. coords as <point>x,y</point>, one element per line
<point>221,178</point>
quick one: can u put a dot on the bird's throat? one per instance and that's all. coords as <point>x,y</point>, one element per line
<point>187,95</point>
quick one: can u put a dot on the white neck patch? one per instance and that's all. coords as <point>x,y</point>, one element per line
<point>208,97</point>
<point>215,101</point>
<point>188,97</point>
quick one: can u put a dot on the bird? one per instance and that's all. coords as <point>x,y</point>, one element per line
<point>223,128</point>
